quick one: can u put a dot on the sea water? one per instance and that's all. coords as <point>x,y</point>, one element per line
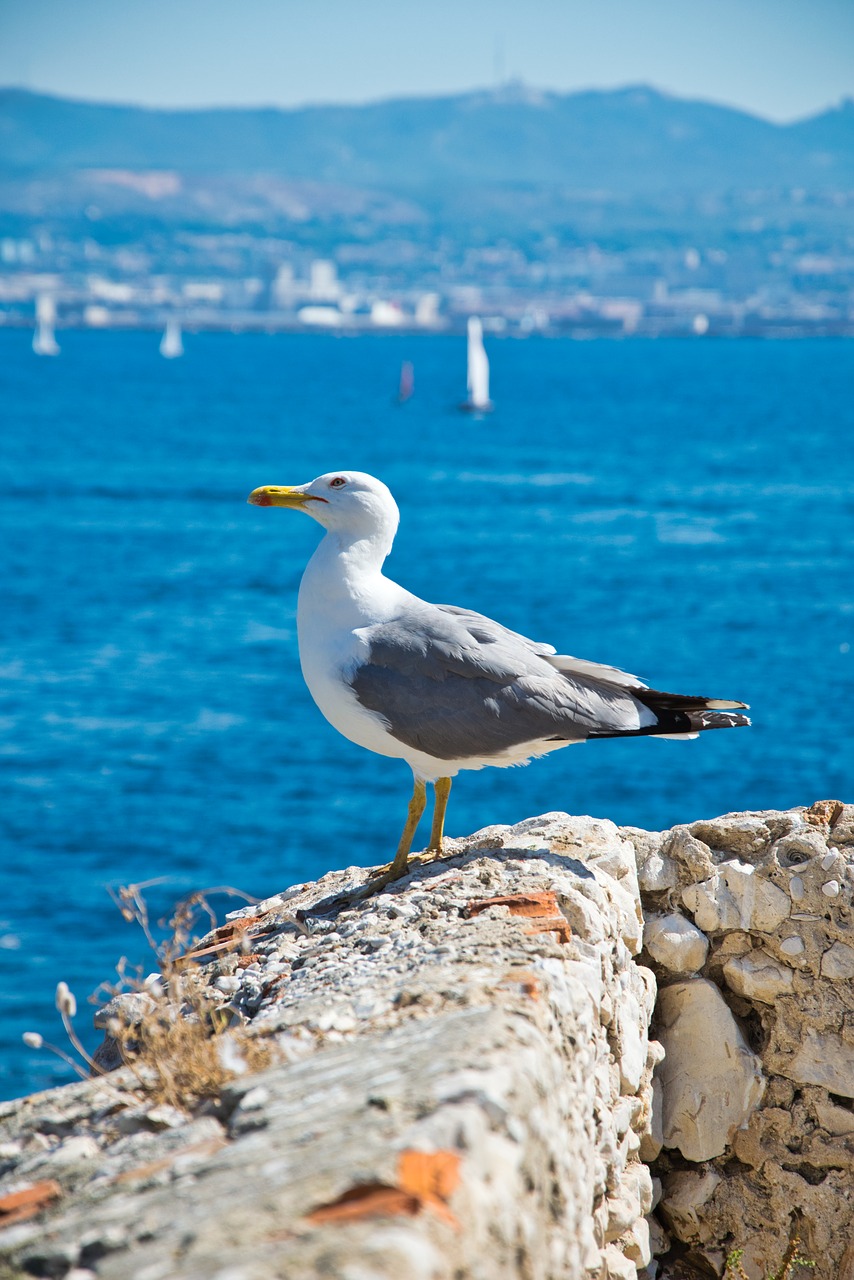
<point>683,509</point>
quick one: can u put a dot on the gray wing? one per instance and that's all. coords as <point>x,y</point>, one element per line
<point>456,685</point>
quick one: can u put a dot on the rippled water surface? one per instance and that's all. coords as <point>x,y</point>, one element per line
<point>682,509</point>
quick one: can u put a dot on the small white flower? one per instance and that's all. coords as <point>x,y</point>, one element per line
<point>65,1001</point>
<point>32,1039</point>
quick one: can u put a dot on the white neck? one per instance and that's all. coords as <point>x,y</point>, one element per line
<point>344,581</point>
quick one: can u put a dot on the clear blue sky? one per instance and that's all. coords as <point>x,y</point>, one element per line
<point>779,58</point>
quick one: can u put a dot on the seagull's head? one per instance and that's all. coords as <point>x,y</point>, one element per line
<point>349,503</point>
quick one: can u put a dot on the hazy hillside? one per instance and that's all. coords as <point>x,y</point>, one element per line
<point>633,140</point>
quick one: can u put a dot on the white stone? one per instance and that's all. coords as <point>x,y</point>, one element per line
<point>675,943</point>
<point>711,1080</point>
<point>638,1179</point>
<point>622,1211</point>
<point>74,1149</point>
<point>838,962</point>
<point>617,1265</point>
<point>630,1037</point>
<point>828,860</point>
<point>830,888</point>
<point>228,983</point>
<point>627,909</point>
<point>793,946</point>
<point>685,1194</point>
<point>636,1243</point>
<point>736,897</point>
<point>796,888</point>
<point>653,1140</point>
<point>657,873</point>
<point>826,1060</point>
<point>838,1121</point>
<point>758,976</point>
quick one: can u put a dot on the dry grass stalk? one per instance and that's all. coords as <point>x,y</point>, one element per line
<point>178,1042</point>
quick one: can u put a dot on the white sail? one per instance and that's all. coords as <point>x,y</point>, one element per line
<point>478,366</point>
<point>171,344</point>
<point>44,340</point>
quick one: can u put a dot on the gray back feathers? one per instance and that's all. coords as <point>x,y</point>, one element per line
<point>455,685</point>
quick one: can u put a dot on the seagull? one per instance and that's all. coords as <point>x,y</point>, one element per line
<point>440,687</point>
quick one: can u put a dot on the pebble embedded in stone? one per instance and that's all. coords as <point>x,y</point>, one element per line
<point>711,1079</point>
<point>675,943</point>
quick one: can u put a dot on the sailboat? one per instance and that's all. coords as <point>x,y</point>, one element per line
<point>44,341</point>
<point>478,371</point>
<point>171,344</point>
<point>407,382</point>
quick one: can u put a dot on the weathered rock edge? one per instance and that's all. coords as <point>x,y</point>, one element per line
<point>514,1051</point>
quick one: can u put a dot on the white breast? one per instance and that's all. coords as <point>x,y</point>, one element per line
<point>331,615</point>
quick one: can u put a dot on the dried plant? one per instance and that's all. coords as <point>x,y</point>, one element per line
<point>177,1041</point>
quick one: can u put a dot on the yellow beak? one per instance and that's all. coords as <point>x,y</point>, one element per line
<point>281,495</point>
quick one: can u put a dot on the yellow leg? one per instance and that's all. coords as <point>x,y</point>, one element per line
<point>416,808</point>
<point>399,867</point>
<point>443,790</point>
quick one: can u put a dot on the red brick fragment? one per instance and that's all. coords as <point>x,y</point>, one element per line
<point>541,907</point>
<point>824,813</point>
<point>518,904</point>
<point>555,924</point>
<point>17,1206</point>
<point>368,1200</point>
<point>426,1180</point>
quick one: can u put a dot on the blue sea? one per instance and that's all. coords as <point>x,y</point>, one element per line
<point>684,509</point>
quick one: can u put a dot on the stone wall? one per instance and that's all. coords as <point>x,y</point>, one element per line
<point>750,931</point>
<point>466,1083</point>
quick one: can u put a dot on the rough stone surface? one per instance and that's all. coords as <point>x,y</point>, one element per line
<point>782,967</point>
<point>518,1052</point>
<point>675,943</point>
<point>710,1079</point>
<point>758,976</point>
<point>514,1046</point>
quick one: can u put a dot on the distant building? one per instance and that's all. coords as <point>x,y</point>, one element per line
<point>283,292</point>
<point>427,309</point>
<point>324,285</point>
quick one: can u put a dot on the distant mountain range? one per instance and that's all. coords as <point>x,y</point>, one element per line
<point>633,141</point>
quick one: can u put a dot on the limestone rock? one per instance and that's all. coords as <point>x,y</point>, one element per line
<point>484,1014</point>
<point>758,976</point>
<point>740,833</point>
<point>657,873</point>
<point>683,1199</point>
<point>487,1010</point>
<point>735,897</point>
<point>711,1080</point>
<point>693,855</point>
<point>827,1060</point>
<point>652,1140</point>
<point>838,962</point>
<point>675,943</point>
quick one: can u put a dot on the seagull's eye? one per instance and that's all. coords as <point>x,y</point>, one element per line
<point>337,483</point>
